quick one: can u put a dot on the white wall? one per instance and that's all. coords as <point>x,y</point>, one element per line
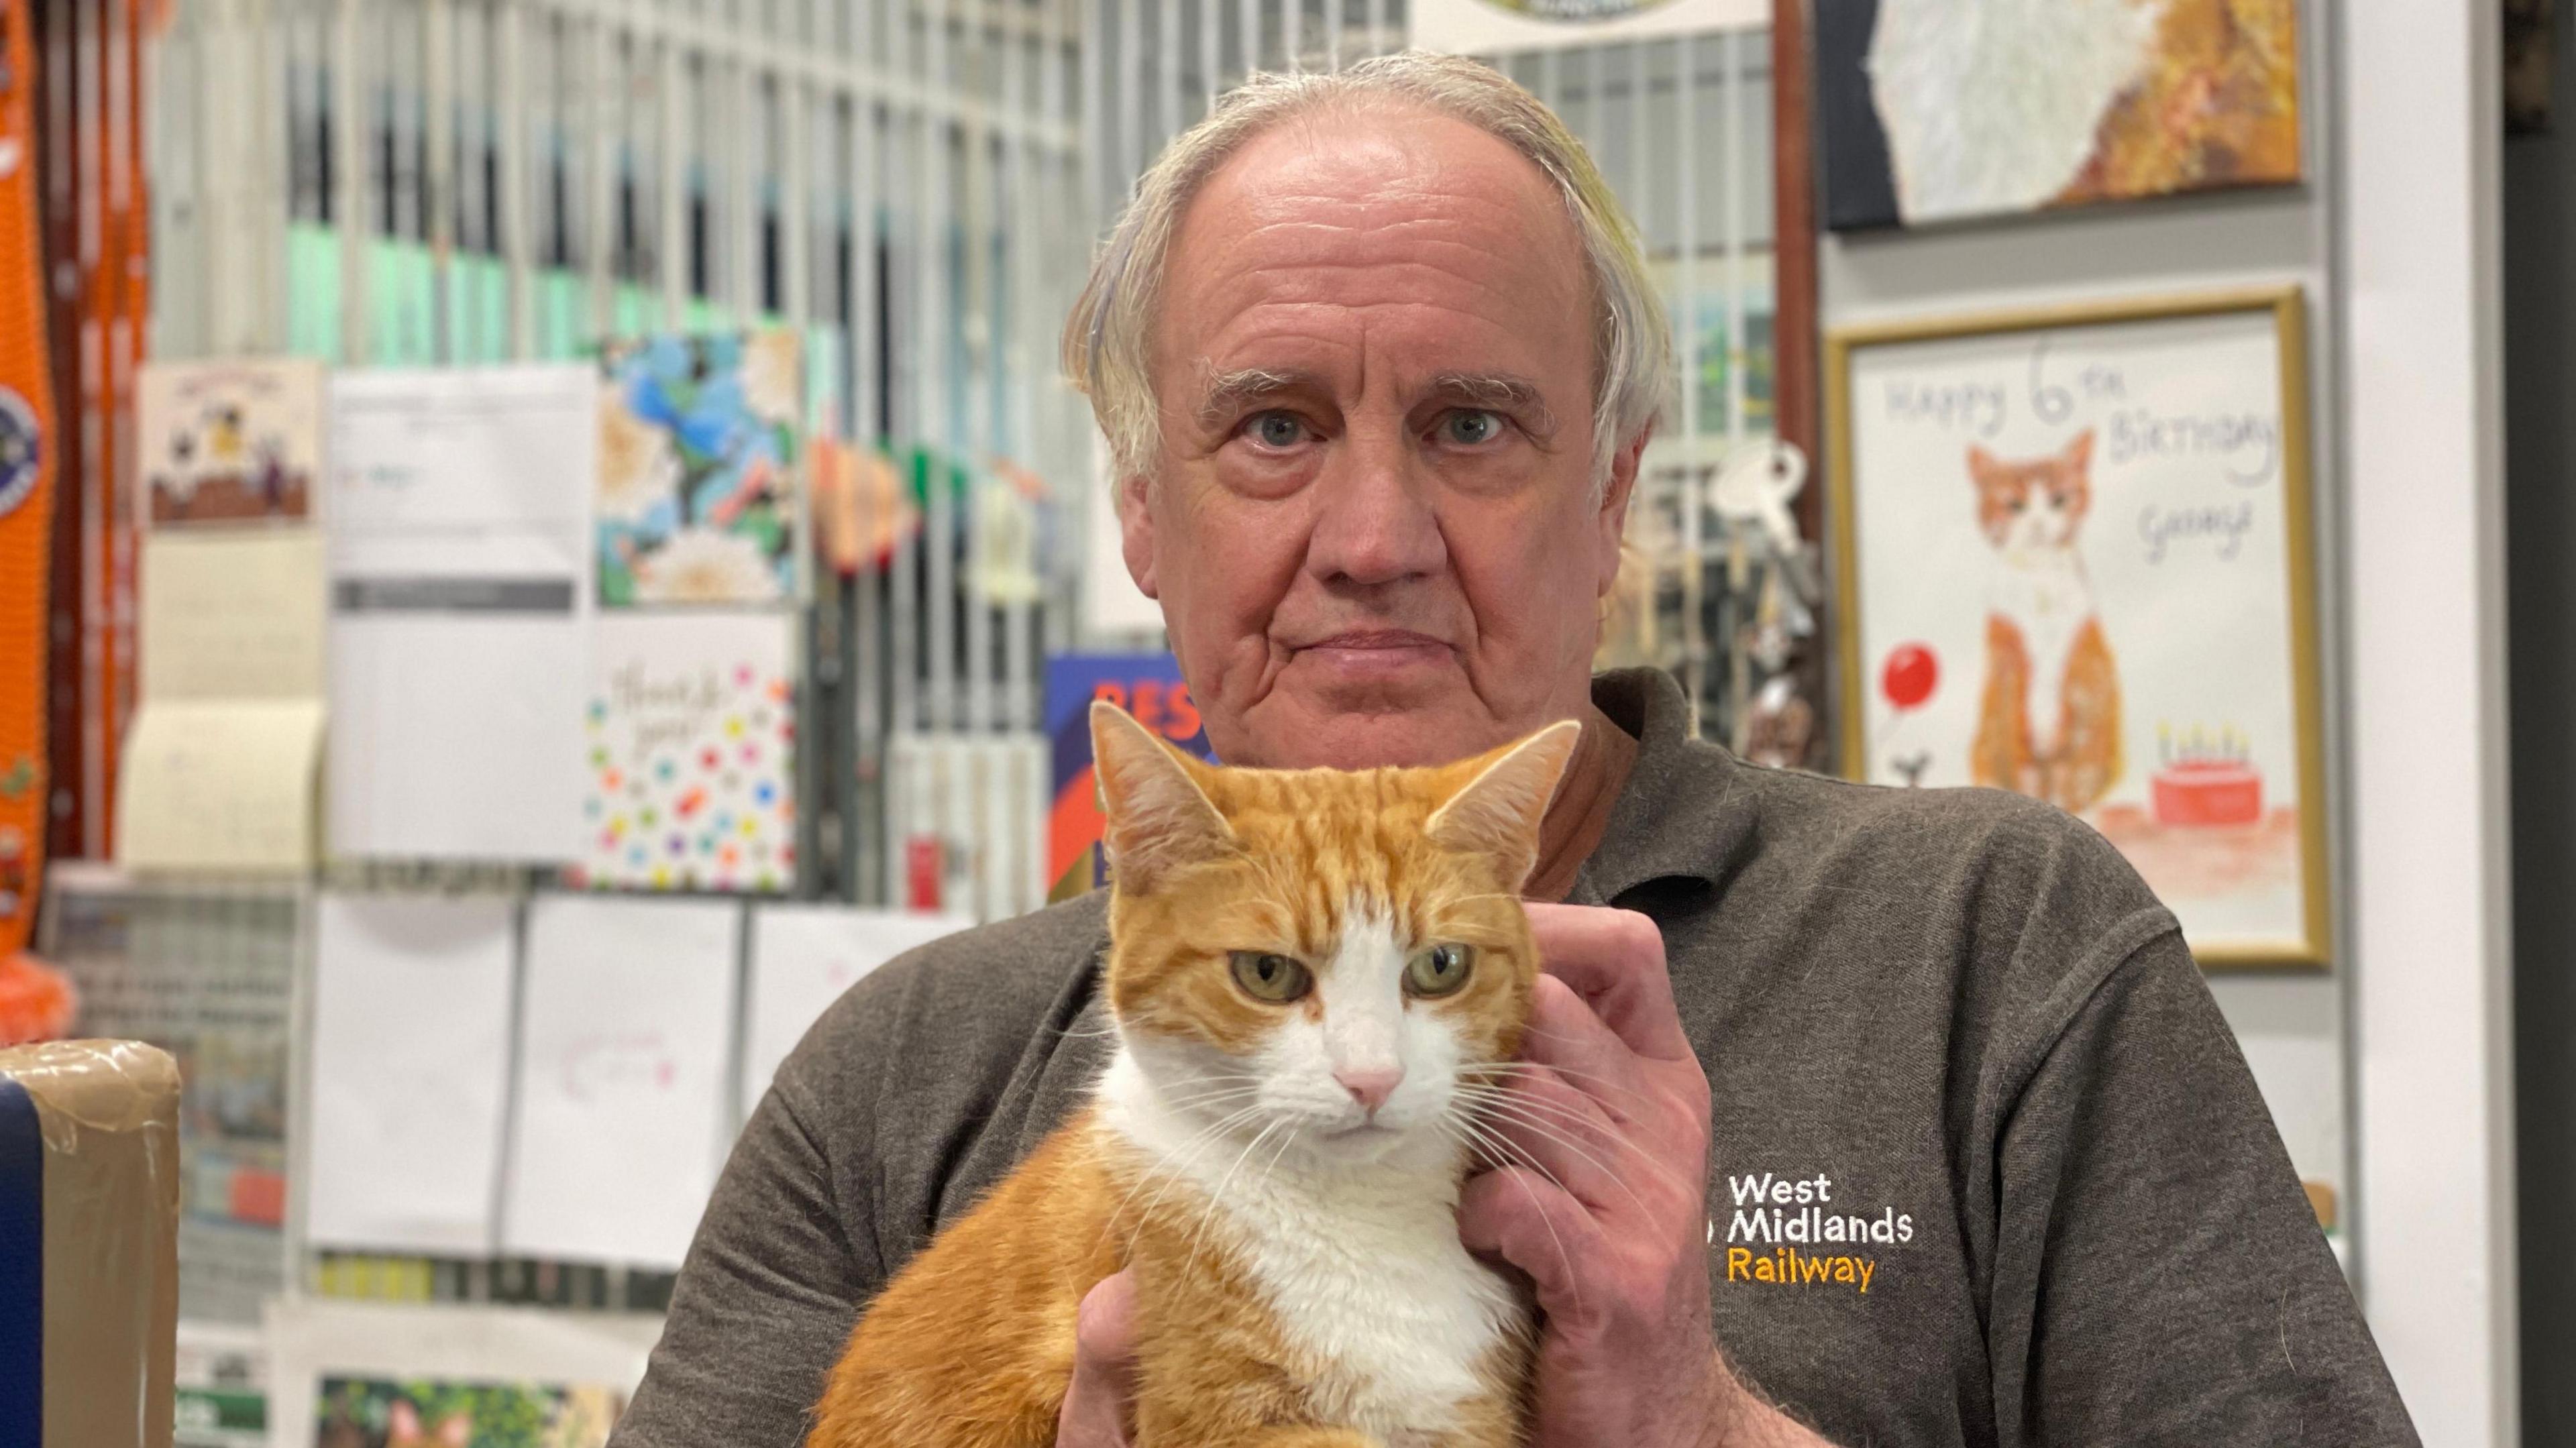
<point>2391,1075</point>
<point>2420,124</point>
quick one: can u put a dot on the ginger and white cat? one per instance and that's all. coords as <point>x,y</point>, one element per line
<point>1319,979</point>
<point>2049,723</point>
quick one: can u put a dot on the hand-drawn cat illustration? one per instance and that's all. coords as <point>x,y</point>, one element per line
<point>2049,723</point>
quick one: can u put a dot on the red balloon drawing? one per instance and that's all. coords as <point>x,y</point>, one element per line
<point>1911,674</point>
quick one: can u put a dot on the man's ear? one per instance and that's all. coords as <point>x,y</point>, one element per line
<point>1159,818</point>
<point>1136,532</point>
<point>1498,811</point>
<point>1617,491</point>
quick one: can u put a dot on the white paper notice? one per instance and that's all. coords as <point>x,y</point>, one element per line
<point>230,614</point>
<point>219,785</point>
<point>219,766</point>
<point>458,598</point>
<point>802,958</point>
<point>627,1018</point>
<point>411,1060</point>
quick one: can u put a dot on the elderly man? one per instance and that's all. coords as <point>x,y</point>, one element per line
<point>1925,1128</point>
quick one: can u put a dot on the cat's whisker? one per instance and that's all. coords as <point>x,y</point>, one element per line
<point>1512,1112</point>
<point>1553,1110</point>
<point>1216,1198</point>
<point>1507,1152</point>
<point>1544,1220</point>
<point>1524,1068</point>
<point>1169,1168</point>
<point>1272,1165</point>
<point>1200,1100</point>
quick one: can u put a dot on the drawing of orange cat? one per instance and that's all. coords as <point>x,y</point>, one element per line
<point>2049,722</point>
<point>1319,981</point>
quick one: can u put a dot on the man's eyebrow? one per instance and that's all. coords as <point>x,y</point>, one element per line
<point>1495,389</point>
<point>1225,391</point>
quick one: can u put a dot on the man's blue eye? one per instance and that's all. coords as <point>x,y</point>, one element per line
<point>1470,428</point>
<point>1278,429</point>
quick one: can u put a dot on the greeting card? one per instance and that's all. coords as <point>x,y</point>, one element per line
<point>697,498</point>
<point>691,761</point>
<point>626,1026</point>
<point>230,442</point>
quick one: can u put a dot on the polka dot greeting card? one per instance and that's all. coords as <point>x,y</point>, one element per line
<point>691,739</point>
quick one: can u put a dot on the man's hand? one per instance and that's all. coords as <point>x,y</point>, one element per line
<point>1604,1201</point>
<point>1104,1368</point>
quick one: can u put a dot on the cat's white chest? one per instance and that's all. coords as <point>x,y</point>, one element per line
<point>1377,1285</point>
<point>1362,1271</point>
<point>2049,605</point>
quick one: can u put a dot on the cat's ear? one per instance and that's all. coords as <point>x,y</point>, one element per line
<point>2079,453</point>
<point>1159,818</point>
<point>1981,463</point>
<point>1497,811</point>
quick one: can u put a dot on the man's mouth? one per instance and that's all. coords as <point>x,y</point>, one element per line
<point>1375,650</point>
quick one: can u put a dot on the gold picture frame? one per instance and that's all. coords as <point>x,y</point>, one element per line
<point>2191,829</point>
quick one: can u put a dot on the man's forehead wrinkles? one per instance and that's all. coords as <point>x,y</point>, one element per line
<point>1394,208</point>
<point>1363,284</point>
<point>1283,333</point>
<point>1443,257</point>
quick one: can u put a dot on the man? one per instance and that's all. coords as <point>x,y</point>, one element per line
<point>1921,1127</point>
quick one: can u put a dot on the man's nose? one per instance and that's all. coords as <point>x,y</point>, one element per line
<point>1375,524</point>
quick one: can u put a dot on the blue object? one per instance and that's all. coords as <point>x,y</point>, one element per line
<point>22,1270</point>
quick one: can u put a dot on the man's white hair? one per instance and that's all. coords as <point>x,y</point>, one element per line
<point>1108,340</point>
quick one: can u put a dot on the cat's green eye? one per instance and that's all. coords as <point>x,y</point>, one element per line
<point>1439,971</point>
<point>1268,977</point>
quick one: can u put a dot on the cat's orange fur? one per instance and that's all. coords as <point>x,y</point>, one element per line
<point>2045,648</point>
<point>972,1344</point>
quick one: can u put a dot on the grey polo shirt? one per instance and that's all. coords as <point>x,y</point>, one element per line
<point>1986,1168</point>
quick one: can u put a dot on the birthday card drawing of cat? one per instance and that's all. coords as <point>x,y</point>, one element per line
<point>1939,110</point>
<point>2074,565</point>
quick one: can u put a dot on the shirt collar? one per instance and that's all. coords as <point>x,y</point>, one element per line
<point>1673,819</point>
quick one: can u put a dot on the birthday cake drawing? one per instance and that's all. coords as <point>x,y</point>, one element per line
<point>2205,780</point>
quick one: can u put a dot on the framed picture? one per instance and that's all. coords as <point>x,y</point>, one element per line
<point>2073,561</point>
<point>1940,110</point>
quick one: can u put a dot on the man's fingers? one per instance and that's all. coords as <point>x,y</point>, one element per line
<point>1561,1129</point>
<point>1104,1332</point>
<point>1614,959</point>
<point>1517,1215</point>
<point>1104,1367</point>
<point>1565,1035</point>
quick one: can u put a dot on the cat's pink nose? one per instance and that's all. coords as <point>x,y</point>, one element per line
<point>1370,1085</point>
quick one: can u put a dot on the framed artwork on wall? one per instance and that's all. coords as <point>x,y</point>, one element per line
<point>1943,110</point>
<point>2073,556</point>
